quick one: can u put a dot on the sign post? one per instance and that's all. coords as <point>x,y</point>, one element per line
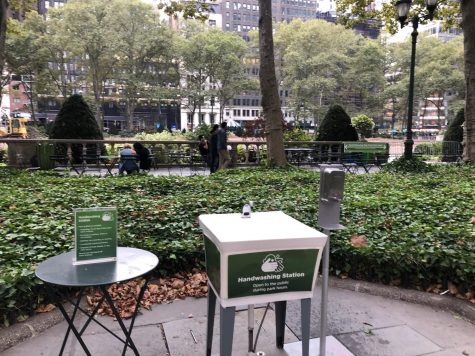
<point>95,231</point>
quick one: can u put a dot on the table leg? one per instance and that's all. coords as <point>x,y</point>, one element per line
<point>280,311</point>
<point>139,298</point>
<point>91,316</point>
<point>69,320</point>
<point>128,340</point>
<point>211,311</point>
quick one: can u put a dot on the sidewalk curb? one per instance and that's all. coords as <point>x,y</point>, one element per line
<point>33,326</point>
<point>444,302</point>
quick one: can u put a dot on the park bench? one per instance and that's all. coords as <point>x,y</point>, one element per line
<point>364,155</point>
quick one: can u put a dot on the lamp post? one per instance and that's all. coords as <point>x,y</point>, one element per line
<point>402,7</point>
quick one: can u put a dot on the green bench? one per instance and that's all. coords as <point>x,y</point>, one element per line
<point>364,154</point>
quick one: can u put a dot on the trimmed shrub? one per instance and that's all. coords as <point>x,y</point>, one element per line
<point>454,133</point>
<point>454,130</point>
<point>336,126</point>
<point>75,120</point>
<point>363,125</point>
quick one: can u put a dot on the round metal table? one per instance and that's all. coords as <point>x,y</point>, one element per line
<point>60,271</point>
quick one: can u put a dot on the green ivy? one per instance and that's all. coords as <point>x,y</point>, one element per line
<point>417,225</point>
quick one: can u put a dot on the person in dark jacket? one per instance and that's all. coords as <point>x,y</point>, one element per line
<point>223,152</point>
<point>213,149</point>
<point>143,155</point>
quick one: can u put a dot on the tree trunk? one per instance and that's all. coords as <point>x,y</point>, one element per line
<point>468,25</point>
<point>3,32</point>
<point>269,88</point>
<point>130,114</point>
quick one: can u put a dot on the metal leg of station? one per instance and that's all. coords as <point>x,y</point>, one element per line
<point>280,310</point>
<point>226,330</point>
<point>211,311</point>
<point>305,319</point>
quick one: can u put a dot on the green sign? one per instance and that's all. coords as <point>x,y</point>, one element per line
<point>370,147</point>
<point>96,234</point>
<point>271,272</point>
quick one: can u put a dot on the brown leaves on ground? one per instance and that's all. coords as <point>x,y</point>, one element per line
<point>359,241</point>
<point>164,290</point>
<point>45,308</point>
<point>454,290</point>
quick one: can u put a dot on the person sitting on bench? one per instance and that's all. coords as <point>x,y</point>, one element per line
<point>143,155</point>
<point>128,161</point>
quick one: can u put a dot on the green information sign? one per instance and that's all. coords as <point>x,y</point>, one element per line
<point>96,235</point>
<point>370,147</point>
<point>271,272</point>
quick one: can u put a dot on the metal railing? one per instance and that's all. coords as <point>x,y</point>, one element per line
<point>243,152</point>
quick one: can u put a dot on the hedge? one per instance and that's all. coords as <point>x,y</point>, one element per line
<point>417,226</point>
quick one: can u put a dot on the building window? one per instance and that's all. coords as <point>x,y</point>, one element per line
<point>212,23</point>
<point>190,118</point>
<point>227,5</point>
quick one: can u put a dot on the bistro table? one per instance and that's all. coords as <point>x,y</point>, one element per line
<point>299,155</point>
<point>109,162</point>
<point>60,271</point>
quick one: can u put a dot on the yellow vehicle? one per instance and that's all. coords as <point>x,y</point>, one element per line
<point>13,127</point>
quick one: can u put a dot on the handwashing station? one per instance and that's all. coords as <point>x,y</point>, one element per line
<point>259,257</point>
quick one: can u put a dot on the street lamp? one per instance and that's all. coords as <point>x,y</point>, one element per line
<point>402,7</point>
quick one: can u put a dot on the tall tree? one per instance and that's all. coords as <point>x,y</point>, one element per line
<point>324,64</point>
<point>3,35</point>
<point>268,79</point>
<point>449,11</point>
<point>87,25</point>
<point>144,49</point>
<point>269,88</point>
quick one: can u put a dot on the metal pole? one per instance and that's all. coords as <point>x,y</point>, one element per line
<point>409,143</point>
<point>250,327</point>
<point>324,302</point>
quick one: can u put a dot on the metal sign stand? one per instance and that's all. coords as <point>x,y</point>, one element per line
<point>331,194</point>
<point>325,273</point>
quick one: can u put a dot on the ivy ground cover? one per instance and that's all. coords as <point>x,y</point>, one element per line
<point>409,229</point>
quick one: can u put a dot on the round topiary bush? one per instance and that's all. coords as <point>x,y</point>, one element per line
<point>451,151</point>
<point>336,126</point>
<point>76,120</point>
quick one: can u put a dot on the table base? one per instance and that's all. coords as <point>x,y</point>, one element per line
<point>128,342</point>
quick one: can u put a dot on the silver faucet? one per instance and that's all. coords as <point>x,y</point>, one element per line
<point>246,210</point>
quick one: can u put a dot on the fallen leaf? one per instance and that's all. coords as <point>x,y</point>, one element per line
<point>45,308</point>
<point>452,288</point>
<point>359,241</point>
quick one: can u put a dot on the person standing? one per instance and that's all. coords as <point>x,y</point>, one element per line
<point>224,158</point>
<point>213,149</point>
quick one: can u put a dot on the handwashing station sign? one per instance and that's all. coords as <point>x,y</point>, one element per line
<point>96,235</point>
<point>271,272</point>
